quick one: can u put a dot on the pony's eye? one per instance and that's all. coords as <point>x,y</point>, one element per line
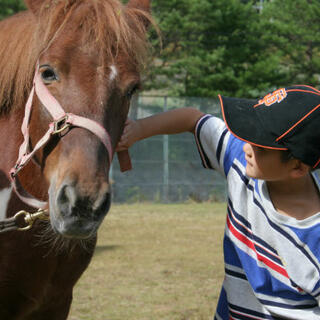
<point>132,90</point>
<point>48,75</point>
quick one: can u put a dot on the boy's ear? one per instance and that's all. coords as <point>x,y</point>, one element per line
<point>299,169</point>
<point>34,5</point>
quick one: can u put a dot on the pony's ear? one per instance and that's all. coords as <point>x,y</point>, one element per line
<point>139,4</point>
<point>143,5</point>
<point>34,5</point>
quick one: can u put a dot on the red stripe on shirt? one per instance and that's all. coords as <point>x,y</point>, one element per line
<point>250,245</point>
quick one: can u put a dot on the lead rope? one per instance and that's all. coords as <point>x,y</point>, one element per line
<point>14,223</point>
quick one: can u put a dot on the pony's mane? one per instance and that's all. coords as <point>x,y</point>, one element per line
<point>105,24</point>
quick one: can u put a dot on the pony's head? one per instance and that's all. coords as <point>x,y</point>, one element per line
<point>89,55</point>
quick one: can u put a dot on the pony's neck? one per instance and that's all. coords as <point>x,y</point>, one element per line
<point>9,148</point>
<point>31,176</point>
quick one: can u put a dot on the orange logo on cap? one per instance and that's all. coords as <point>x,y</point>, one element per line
<point>271,98</point>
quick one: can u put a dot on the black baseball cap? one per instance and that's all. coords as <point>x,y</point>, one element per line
<point>286,119</point>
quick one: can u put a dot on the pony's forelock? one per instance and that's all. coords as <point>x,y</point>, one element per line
<point>107,25</point>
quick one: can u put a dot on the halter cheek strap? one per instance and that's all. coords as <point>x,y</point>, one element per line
<point>62,122</point>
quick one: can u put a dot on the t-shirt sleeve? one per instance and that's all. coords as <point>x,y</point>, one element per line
<point>217,147</point>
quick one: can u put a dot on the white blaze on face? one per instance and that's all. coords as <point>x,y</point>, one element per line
<point>5,195</point>
<point>113,73</point>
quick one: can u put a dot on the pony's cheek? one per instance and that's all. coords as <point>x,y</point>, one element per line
<point>50,163</point>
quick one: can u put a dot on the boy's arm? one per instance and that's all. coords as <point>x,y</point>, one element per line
<point>170,122</point>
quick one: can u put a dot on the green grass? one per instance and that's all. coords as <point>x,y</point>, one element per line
<point>154,262</point>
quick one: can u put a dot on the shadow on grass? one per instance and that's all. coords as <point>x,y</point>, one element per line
<point>101,249</point>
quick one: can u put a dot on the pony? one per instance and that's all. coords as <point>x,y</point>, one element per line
<point>71,66</point>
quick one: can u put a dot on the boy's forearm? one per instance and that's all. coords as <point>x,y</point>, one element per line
<point>170,122</point>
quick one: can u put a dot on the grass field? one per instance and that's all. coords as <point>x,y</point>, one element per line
<point>154,262</point>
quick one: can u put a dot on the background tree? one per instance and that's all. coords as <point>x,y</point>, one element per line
<point>9,7</point>
<point>232,48</point>
<point>228,46</point>
<point>292,31</point>
<point>211,47</point>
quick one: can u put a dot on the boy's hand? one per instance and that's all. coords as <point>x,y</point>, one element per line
<point>130,135</point>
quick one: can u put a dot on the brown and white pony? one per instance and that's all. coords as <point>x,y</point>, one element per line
<point>86,55</point>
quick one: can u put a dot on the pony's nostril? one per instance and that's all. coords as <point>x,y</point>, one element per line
<point>102,206</point>
<point>66,199</point>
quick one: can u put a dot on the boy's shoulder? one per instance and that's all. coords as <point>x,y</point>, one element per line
<point>218,147</point>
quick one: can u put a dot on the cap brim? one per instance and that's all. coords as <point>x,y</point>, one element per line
<point>242,121</point>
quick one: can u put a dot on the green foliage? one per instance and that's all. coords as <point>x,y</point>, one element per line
<point>9,7</point>
<point>228,46</point>
<point>293,30</point>
<point>207,46</point>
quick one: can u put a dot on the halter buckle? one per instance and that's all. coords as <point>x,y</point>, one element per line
<point>60,125</point>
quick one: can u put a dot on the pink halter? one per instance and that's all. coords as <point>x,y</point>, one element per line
<point>62,122</point>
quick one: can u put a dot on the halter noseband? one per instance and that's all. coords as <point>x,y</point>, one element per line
<point>62,122</point>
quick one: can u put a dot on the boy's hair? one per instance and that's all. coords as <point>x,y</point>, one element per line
<point>286,156</point>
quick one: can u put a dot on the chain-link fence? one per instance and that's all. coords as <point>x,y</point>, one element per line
<point>167,168</point>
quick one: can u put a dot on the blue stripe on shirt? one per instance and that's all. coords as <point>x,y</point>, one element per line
<point>263,282</point>
<point>288,306</point>
<point>230,254</point>
<point>234,151</point>
<point>310,237</point>
<point>222,308</point>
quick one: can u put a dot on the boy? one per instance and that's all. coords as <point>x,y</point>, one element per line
<point>268,150</point>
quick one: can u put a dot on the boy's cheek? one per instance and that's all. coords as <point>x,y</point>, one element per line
<point>249,171</point>
<point>252,172</point>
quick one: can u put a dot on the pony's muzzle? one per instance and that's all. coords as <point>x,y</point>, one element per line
<point>76,213</point>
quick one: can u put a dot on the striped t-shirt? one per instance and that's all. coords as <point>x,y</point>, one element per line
<point>272,268</point>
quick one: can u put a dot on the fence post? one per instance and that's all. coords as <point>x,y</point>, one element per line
<point>111,173</point>
<point>165,195</point>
